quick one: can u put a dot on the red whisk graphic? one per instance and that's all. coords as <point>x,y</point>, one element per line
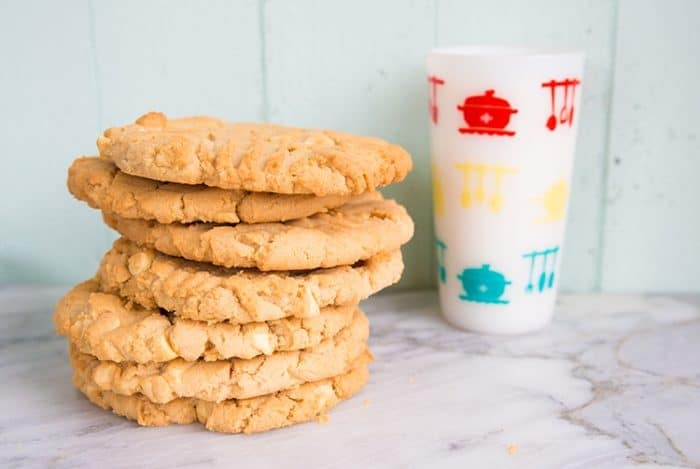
<point>432,103</point>
<point>566,113</point>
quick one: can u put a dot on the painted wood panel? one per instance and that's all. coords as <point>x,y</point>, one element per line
<point>561,24</point>
<point>359,67</point>
<point>49,115</point>
<point>652,223</point>
<point>180,57</point>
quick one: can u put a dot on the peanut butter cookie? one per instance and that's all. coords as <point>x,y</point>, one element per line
<point>343,236</point>
<point>203,292</point>
<point>98,182</point>
<point>103,325</point>
<point>234,378</point>
<point>253,157</point>
<point>295,405</point>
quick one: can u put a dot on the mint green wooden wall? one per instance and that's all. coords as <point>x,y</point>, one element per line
<point>72,68</point>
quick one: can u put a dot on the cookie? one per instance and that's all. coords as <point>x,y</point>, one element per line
<point>98,182</point>
<point>102,325</point>
<point>253,157</point>
<point>204,292</point>
<point>342,236</point>
<point>235,378</point>
<point>298,404</point>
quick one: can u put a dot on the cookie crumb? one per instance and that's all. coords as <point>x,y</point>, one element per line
<point>512,449</point>
<point>365,403</point>
<point>322,419</point>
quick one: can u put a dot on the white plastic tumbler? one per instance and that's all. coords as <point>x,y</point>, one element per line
<point>503,133</point>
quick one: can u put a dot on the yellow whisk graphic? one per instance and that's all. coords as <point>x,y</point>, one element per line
<point>438,194</point>
<point>488,189</point>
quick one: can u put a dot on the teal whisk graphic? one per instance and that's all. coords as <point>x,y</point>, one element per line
<point>442,271</point>
<point>546,277</point>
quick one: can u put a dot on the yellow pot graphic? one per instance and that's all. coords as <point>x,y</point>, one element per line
<point>554,202</point>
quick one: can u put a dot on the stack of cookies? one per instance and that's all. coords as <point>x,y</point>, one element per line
<point>232,296</point>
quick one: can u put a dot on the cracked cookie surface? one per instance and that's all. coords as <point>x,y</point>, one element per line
<point>253,157</point>
<point>98,182</point>
<point>343,236</point>
<point>204,292</point>
<point>103,325</point>
<point>298,404</point>
<point>234,378</point>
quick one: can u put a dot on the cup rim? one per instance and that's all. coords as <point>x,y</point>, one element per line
<point>498,51</point>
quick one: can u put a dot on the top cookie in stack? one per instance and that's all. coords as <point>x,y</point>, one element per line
<point>253,157</point>
<point>245,250</point>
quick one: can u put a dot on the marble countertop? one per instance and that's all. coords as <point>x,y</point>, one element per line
<point>613,382</point>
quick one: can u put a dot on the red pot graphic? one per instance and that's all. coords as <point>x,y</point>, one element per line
<point>486,114</point>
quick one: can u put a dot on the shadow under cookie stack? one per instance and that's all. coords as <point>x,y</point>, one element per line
<point>232,296</point>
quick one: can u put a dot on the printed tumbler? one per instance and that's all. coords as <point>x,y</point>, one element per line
<point>503,133</point>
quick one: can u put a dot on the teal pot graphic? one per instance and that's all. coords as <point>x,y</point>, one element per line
<point>483,285</point>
